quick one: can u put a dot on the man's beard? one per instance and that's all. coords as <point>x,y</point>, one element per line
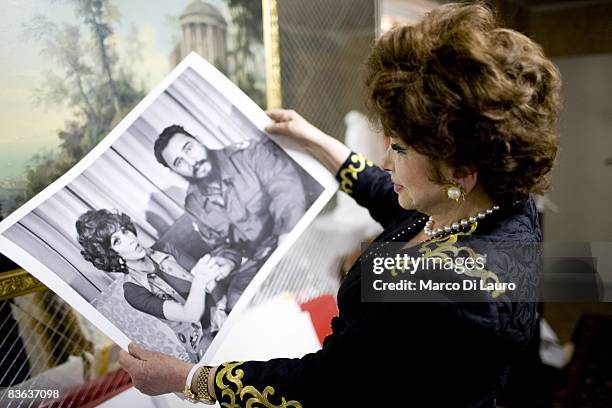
<point>196,168</point>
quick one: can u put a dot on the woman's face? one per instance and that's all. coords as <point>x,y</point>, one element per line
<point>126,244</point>
<point>410,173</point>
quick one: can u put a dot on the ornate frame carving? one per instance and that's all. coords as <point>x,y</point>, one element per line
<point>18,282</point>
<point>271,45</point>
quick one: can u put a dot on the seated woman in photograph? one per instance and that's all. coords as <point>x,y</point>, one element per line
<point>154,282</point>
<point>470,111</point>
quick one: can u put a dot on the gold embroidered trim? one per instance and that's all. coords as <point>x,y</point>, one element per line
<point>225,371</point>
<point>446,245</point>
<point>346,182</point>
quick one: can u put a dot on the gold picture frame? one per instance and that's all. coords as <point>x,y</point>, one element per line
<point>272,53</point>
<point>18,282</point>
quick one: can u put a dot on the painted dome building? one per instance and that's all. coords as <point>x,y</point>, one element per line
<point>203,31</point>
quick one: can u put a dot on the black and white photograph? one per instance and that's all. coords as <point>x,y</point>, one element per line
<point>156,235</point>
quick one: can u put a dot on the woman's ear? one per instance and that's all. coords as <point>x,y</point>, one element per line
<point>466,177</point>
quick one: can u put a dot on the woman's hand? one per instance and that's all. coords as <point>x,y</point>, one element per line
<point>329,151</point>
<point>154,373</point>
<point>225,265</point>
<point>206,270</point>
<point>204,273</point>
<point>290,123</point>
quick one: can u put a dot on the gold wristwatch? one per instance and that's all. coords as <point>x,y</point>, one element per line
<point>201,394</point>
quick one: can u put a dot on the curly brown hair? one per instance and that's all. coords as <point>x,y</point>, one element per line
<point>463,91</point>
<point>94,229</point>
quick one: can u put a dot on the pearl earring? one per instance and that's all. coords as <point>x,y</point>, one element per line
<point>455,191</point>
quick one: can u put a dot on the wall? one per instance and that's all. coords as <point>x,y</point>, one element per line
<point>582,183</point>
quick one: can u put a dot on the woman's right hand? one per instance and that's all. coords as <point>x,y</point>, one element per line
<point>206,270</point>
<point>329,151</point>
<point>289,123</point>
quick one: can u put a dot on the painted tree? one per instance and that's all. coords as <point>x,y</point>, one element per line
<point>97,15</point>
<point>63,46</point>
<point>247,17</point>
<point>85,75</point>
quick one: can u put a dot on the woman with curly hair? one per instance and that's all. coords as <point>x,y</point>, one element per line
<point>153,282</point>
<point>469,111</point>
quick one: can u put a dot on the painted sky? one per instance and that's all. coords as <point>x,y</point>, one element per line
<point>25,128</point>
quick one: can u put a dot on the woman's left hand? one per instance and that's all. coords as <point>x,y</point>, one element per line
<point>225,267</point>
<point>154,373</point>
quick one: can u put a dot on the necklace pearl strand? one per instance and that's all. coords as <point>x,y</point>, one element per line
<point>449,228</point>
<point>432,234</point>
<point>376,251</point>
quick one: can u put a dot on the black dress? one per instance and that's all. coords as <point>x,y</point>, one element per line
<point>406,354</point>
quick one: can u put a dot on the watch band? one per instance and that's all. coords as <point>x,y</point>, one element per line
<point>202,384</point>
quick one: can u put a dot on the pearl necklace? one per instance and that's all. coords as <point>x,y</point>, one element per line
<point>376,250</point>
<point>431,234</point>
<point>465,222</point>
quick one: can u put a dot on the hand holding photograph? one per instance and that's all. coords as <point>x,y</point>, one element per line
<point>165,230</point>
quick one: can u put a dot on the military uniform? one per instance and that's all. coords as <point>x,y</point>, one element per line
<point>253,194</point>
<point>398,354</point>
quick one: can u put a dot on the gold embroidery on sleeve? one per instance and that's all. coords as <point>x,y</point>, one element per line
<point>256,397</point>
<point>346,182</point>
<point>225,370</point>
